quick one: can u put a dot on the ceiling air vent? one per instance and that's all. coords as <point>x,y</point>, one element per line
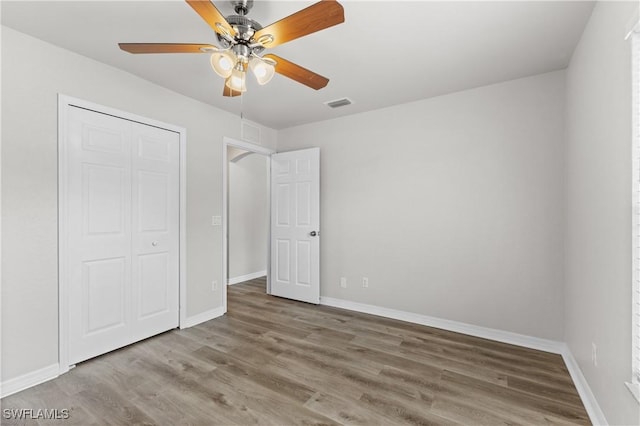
<point>339,103</point>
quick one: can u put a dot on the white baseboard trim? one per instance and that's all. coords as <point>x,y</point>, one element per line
<point>203,317</point>
<point>588,399</point>
<point>594,411</point>
<point>52,371</point>
<point>458,327</point>
<point>582,386</point>
<point>28,380</point>
<point>243,278</point>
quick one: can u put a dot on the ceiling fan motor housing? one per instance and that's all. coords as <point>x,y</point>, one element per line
<point>245,28</point>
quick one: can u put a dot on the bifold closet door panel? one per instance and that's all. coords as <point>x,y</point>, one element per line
<point>122,195</point>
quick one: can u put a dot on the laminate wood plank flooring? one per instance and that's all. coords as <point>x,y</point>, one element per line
<point>275,361</point>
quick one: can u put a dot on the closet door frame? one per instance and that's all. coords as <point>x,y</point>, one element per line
<point>64,104</point>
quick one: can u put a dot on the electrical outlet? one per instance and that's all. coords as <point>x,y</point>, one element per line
<point>594,354</point>
<point>216,220</point>
<point>214,285</point>
<point>365,282</point>
<point>343,282</point>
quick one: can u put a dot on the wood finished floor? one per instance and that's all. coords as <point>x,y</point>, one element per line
<point>276,361</point>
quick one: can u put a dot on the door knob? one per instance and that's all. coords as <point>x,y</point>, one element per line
<point>314,233</point>
<point>155,243</point>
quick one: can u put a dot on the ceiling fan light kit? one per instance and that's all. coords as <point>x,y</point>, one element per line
<point>222,63</point>
<point>237,82</point>
<point>263,68</point>
<point>242,40</point>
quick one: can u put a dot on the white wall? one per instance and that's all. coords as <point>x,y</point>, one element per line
<point>451,206</point>
<point>248,215</point>
<point>598,257</point>
<point>33,73</point>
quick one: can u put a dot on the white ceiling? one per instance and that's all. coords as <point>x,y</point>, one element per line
<point>386,52</point>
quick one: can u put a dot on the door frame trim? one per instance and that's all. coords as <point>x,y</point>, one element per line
<point>257,149</point>
<point>64,104</point>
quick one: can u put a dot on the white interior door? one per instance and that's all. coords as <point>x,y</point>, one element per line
<point>295,225</point>
<point>122,242</point>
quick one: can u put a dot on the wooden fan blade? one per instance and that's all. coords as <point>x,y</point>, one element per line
<point>166,48</point>
<point>229,92</point>
<point>316,17</point>
<point>298,73</point>
<point>211,16</point>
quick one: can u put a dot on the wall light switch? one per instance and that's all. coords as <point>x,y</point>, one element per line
<point>343,282</point>
<point>216,220</point>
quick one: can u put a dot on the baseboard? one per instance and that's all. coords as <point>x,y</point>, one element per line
<point>243,278</point>
<point>203,317</point>
<point>458,327</point>
<point>42,375</point>
<point>594,411</point>
<point>28,380</point>
<point>582,386</point>
<point>588,399</point>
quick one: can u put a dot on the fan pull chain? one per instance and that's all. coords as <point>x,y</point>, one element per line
<point>241,112</point>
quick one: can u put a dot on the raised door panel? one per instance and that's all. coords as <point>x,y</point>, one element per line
<point>105,284</point>
<point>282,258</point>
<point>154,148</point>
<point>154,285</point>
<point>103,139</point>
<point>153,201</point>
<point>104,198</point>
<point>303,263</point>
<point>303,168</point>
<point>283,205</point>
<point>281,167</point>
<point>303,205</point>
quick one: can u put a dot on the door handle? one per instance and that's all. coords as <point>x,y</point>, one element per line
<point>155,243</point>
<point>314,233</point>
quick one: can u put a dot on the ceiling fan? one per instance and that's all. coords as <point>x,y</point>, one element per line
<point>242,40</point>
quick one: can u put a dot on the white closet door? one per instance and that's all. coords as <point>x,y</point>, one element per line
<point>122,206</point>
<point>155,224</point>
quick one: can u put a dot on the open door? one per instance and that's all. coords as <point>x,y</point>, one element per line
<point>295,225</point>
